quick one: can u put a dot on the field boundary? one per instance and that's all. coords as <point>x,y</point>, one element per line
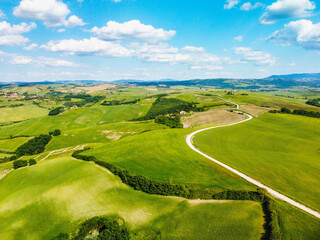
<point>271,191</point>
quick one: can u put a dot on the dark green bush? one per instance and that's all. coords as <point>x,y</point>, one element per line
<point>56,132</point>
<point>61,236</point>
<point>56,111</point>
<point>108,228</point>
<point>172,121</point>
<point>32,162</point>
<point>20,163</point>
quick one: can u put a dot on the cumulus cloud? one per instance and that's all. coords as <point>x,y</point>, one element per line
<point>283,9</point>
<point>230,4</point>
<point>206,67</point>
<point>257,57</point>
<point>300,33</point>
<point>52,12</point>
<point>133,30</point>
<point>21,60</point>
<point>248,6</point>
<point>11,35</point>
<point>30,47</point>
<point>85,47</point>
<point>193,49</point>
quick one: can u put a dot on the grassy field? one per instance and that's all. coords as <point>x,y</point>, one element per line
<point>11,145</point>
<point>77,118</point>
<point>38,202</point>
<point>164,155</point>
<point>22,113</point>
<point>280,150</point>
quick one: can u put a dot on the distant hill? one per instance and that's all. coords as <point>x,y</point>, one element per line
<point>297,76</point>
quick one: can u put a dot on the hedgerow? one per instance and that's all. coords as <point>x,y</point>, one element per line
<point>33,146</point>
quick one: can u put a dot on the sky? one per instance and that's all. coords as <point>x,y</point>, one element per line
<point>47,40</point>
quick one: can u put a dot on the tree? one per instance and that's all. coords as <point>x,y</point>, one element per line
<point>32,162</point>
<point>19,163</point>
<point>56,132</point>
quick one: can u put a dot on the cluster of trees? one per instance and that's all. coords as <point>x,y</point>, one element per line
<point>117,102</point>
<point>172,121</point>
<point>164,106</point>
<point>56,132</point>
<point>107,228</point>
<point>23,163</point>
<point>8,159</point>
<point>136,181</point>
<point>297,112</point>
<point>34,146</point>
<point>314,102</point>
<point>56,111</point>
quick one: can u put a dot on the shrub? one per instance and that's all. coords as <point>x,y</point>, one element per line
<point>19,163</point>
<point>56,132</point>
<point>32,162</point>
<point>56,111</point>
<point>61,236</point>
<point>108,228</point>
<point>172,121</point>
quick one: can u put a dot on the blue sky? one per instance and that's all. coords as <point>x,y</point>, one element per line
<point>142,39</point>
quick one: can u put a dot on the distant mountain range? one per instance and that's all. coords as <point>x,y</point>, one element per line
<point>297,76</point>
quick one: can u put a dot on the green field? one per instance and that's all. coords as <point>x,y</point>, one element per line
<point>280,150</point>
<point>164,155</point>
<point>22,113</point>
<point>38,202</point>
<point>10,145</point>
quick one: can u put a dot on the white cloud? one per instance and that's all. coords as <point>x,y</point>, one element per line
<point>283,9</point>
<point>2,15</point>
<point>52,12</point>
<point>61,30</point>
<point>207,67</point>
<point>193,49</point>
<point>248,6</point>
<point>300,33</point>
<point>230,4</point>
<point>239,38</point>
<point>85,47</point>
<point>131,30</point>
<point>31,47</point>
<point>258,57</point>
<point>11,35</point>
<point>21,60</point>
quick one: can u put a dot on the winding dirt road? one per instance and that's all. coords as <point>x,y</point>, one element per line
<point>272,192</point>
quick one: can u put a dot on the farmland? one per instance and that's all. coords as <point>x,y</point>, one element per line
<point>59,192</point>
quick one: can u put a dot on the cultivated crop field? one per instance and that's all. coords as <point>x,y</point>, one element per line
<point>112,156</point>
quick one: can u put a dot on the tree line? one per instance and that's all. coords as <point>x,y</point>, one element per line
<point>33,146</point>
<point>297,112</point>
<point>314,102</point>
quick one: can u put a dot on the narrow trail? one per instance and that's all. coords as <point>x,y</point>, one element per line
<point>271,191</point>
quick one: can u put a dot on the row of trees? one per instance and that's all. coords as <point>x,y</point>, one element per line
<point>314,102</point>
<point>119,102</point>
<point>34,146</point>
<point>23,163</point>
<point>297,112</point>
<point>56,111</point>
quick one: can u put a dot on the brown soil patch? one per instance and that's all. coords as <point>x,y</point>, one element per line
<point>255,110</point>
<point>97,88</point>
<point>216,116</point>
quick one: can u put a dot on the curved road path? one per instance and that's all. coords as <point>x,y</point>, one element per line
<point>244,176</point>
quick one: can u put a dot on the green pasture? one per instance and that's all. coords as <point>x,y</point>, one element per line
<point>10,145</point>
<point>282,151</point>
<point>21,113</point>
<point>164,155</point>
<point>38,202</point>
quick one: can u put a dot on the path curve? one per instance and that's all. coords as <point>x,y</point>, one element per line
<point>272,192</point>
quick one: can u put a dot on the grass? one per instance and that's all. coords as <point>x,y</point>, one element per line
<point>282,151</point>
<point>38,202</point>
<point>11,145</point>
<point>164,155</point>
<point>22,113</point>
<point>77,118</point>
